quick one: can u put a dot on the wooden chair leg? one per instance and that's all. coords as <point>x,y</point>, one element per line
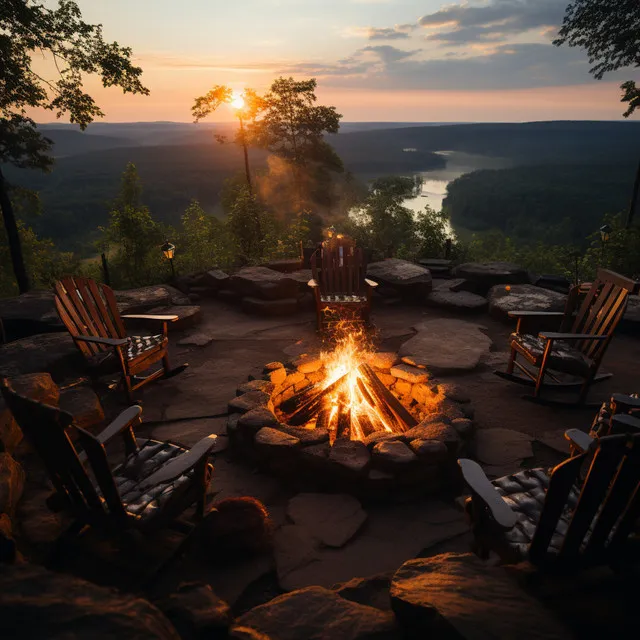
<point>543,367</point>
<point>128,389</point>
<point>584,389</point>
<point>512,361</point>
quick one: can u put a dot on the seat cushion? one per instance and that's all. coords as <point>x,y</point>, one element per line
<point>343,298</point>
<point>139,344</point>
<point>563,356</point>
<point>128,477</point>
<point>525,493</point>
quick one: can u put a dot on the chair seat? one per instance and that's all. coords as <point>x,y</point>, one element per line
<point>128,476</point>
<point>563,356</point>
<point>343,298</point>
<point>139,344</point>
<point>525,493</point>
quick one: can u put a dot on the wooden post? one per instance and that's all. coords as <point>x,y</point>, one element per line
<point>105,270</point>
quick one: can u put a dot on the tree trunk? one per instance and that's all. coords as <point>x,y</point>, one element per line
<point>13,238</point>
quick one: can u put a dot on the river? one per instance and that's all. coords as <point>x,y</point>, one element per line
<point>434,186</point>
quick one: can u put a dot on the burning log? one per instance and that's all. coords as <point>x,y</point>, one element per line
<point>290,405</point>
<point>366,425</point>
<point>323,419</point>
<point>309,410</point>
<point>344,420</point>
<point>384,398</point>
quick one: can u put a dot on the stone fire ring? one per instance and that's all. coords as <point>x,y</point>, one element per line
<point>420,461</point>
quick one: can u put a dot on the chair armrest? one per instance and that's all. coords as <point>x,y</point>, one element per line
<point>112,342</point>
<point>312,283</point>
<point>536,314</point>
<point>624,402</point>
<point>483,490</point>
<point>371,283</point>
<point>624,423</point>
<point>183,463</point>
<point>124,421</point>
<point>579,439</point>
<point>556,335</point>
<point>143,316</point>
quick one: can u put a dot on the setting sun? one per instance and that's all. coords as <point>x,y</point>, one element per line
<point>237,102</point>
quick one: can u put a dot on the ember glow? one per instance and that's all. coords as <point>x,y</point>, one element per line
<point>348,398</point>
<point>351,397</point>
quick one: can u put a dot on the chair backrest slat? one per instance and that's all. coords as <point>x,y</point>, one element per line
<point>88,308</point>
<point>607,507</point>
<point>600,311</point>
<point>46,429</point>
<point>618,498</point>
<point>604,468</point>
<point>338,267</point>
<point>561,483</point>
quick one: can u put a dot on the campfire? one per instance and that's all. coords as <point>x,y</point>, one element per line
<point>352,419</point>
<point>349,400</point>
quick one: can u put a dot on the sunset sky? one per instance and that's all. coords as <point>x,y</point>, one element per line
<point>375,60</point>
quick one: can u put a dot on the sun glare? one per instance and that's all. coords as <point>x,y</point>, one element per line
<point>237,102</point>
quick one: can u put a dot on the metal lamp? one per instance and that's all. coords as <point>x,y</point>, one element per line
<point>605,234</point>
<point>168,251</point>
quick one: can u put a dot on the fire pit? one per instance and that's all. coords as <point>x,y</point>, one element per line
<point>353,419</point>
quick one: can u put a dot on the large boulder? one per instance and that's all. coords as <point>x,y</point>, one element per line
<point>458,596</point>
<point>83,404</point>
<point>37,386</point>
<point>215,279</point>
<point>407,279</point>
<point>11,483</point>
<point>263,283</point>
<point>29,314</point>
<point>485,275</point>
<point>52,352</point>
<point>143,299</point>
<point>36,603</point>
<point>315,613</point>
<point>446,346</point>
<point>523,297</point>
<point>197,612</point>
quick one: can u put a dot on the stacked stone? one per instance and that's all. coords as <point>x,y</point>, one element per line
<point>423,459</point>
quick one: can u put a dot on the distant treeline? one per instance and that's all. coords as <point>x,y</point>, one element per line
<point>179,162</point>
<point>556,204</point>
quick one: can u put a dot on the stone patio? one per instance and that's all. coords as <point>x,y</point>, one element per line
<point>310,549</point>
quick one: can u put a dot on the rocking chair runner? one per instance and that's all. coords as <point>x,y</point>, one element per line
<point>149,490</point>
<point>560,519</point>
<point>339,285</point>
<point>581,342</point>
<point>89,311</point>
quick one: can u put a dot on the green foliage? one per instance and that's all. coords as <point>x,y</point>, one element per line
<point>44,263</point>
<point>610,34</point>
<point>132,237</point>
<point>78,49</point>
<point>249,225</point>
<point>292,126</point>
<point>389,229</point>
<point>203,241</point>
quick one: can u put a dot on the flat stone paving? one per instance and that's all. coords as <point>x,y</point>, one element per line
<point>237,344</point>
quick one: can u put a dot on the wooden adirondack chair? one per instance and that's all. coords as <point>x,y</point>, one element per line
<point>149,490</point>
<point>339,284</point>
<point>585,331</point>
<point>89,311</point>
<point>621,414</point>
<point>562,519</point>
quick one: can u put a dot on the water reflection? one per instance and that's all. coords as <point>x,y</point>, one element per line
<point>434,187</point>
